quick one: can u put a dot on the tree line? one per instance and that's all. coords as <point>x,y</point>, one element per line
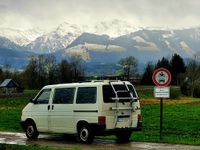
<point>175,65</point>
<point>44,70</point>
<point>185,75</point>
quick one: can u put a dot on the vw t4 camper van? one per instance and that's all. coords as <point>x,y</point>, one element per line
<point>85,109</point>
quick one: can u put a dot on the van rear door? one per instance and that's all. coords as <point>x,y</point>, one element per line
<point>119,105</point>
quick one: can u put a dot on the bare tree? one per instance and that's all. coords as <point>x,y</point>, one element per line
<point>64,72</point>
<point>30,73</point>
<point>52,69</point>
<point>42,72</point>
<point>193,75</point>
<point>129,65</point>
<point>78,67</point>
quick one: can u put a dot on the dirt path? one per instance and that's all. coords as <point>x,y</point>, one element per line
<point>98,144</point>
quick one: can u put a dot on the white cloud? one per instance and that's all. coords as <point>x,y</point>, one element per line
<point>50,13</point>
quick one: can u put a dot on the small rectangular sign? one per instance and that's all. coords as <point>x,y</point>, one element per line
<point>161,92</point>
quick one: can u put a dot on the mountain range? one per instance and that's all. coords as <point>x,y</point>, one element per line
<point>102,43</point>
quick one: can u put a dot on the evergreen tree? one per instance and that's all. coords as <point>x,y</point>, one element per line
<point>164,62</point>
<point>177,68</point>
<point>147,76</point>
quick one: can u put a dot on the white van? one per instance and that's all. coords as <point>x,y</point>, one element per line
<point>86,109</point>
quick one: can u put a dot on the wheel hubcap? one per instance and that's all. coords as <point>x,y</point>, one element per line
<point>30,130</point>
<point>84,134</point>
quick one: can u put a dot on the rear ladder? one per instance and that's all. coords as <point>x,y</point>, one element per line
<point>117,98</point>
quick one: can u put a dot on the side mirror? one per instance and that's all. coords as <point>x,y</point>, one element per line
<point>31,100</point>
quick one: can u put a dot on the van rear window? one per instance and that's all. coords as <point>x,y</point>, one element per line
<point>108,93</point>
<point>86,95</point>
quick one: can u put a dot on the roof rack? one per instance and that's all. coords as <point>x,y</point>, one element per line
<point>106,81</point>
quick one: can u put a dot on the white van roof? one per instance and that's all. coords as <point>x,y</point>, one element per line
<point>92,83</point>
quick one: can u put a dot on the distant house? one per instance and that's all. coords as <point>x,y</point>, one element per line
<point>10,86</point>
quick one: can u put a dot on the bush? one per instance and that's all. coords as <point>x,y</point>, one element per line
<point>196,91</point>
<point>185,89</point>
<point>175,93</point>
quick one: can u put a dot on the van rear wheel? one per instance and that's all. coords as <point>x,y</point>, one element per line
<point>123,136</point>
<point>31,130</point>
<point>85,134</point>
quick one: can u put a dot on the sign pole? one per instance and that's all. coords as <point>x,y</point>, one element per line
<point>161,117</point>
<point>161,78</point>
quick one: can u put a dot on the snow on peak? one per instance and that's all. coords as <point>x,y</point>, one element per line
<point>66,27</point>
<point>58,38</point>
<point>114,28</point>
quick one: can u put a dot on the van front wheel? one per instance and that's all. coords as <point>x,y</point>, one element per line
<point>31,131</point>
<point>85,134</point>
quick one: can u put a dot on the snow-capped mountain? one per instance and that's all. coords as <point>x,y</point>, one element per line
<point>55,40</point>
<point>146,45</point>
<point>107,42</point>
<point>21,37</point>
<point>39,41</point>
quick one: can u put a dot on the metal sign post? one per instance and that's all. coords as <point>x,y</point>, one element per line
<point>161,78</point>
<point>161,117</point>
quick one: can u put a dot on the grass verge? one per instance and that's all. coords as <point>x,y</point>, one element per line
<point>180,122</point>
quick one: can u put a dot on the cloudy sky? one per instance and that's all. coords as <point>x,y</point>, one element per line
<point>25,14</point>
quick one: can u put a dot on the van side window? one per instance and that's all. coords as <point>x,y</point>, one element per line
<point>64,96</point>
<point>43,97</point>
<point>86,95</point>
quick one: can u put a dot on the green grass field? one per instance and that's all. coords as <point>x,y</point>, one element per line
<point>181,123</point>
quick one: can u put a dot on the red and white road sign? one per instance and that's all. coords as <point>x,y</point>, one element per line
<point>161,77</point>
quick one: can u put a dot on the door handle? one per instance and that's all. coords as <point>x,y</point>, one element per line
<point>48,107</point>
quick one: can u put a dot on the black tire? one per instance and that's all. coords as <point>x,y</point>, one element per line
<point>31,130</point>
<point>85,134</point>
<point>123,137</point>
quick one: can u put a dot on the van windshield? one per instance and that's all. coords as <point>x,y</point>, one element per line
<point>108,93</point>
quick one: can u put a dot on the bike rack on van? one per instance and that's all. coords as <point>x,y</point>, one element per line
<point>117,98</point>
